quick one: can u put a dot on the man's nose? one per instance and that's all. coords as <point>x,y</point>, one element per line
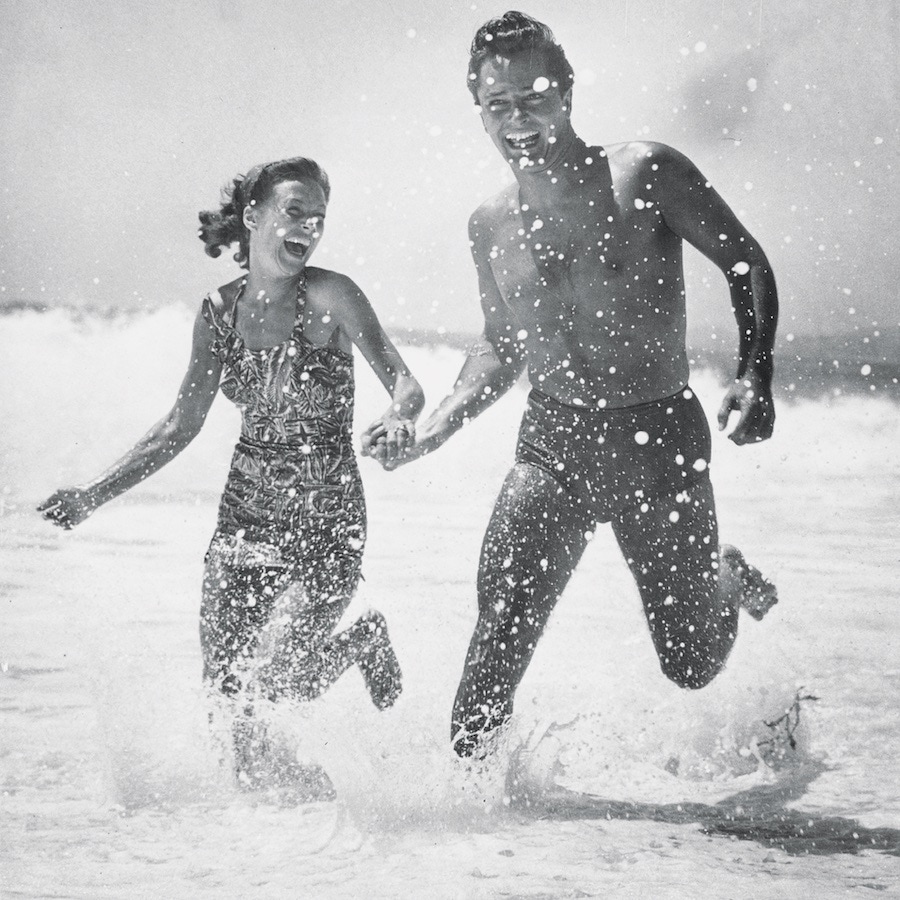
<point>517,113</point>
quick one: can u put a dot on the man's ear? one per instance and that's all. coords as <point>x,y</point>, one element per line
<point>567,101</point>
<point>250,217</point>
<point>480,111</point>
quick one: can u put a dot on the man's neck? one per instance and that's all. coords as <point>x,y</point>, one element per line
<point>560,180</point>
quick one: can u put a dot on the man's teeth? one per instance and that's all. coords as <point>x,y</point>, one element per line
<point>297,246</point>
<point>521,137</point>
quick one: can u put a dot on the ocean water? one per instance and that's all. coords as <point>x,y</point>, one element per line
<point>610,783</point>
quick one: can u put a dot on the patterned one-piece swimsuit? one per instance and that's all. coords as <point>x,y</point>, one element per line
<point>294,497</point>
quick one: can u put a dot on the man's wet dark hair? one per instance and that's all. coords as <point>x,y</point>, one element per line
<point>516,32</point>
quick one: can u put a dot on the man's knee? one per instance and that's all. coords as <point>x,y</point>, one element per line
<point>692,674</point>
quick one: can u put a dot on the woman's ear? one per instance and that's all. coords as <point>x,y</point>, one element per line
<point>250,217</point>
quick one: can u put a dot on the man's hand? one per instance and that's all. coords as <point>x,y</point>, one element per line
<point>388,440</point>
<point>750,397</point>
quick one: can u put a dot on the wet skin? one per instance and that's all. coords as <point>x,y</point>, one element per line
<point>284,231</point>
<point>580,261</point>
<point>579,268</point>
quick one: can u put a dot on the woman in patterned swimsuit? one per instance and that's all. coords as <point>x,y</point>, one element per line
<point>292,522</point>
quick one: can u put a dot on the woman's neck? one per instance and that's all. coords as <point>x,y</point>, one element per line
<point>262,288</point>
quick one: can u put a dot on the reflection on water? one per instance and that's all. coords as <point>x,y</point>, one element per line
<point>759,814</point>
<point>110,780</point>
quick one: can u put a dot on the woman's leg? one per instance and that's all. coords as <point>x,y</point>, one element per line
<point>311,657</point>
<point>237,603</point>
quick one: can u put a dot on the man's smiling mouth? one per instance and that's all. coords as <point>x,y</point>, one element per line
<point>522,140</point>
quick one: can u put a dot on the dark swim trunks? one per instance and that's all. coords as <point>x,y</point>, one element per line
<point>294,494</point>
<point>613,460</point>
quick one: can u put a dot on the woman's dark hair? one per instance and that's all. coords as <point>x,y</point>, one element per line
<point>225,226</point>
<point>515,32</point>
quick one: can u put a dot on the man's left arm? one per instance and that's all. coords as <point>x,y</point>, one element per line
<point>693,209</point>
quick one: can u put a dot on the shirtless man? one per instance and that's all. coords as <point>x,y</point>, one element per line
<point>580,273</point>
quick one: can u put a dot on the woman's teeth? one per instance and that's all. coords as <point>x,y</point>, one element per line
<point>297,247</point>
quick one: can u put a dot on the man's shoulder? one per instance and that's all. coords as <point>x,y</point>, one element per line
<point>496,208</point>
<point>637,151</point>
<point>632,159</point>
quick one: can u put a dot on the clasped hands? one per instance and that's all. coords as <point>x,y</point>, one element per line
<point>389,440</point>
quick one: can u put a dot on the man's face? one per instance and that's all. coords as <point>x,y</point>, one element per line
<point>522,111</point>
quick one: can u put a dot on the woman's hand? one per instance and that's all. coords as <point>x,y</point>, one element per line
<point>388,439</point>
<point>68,507</point>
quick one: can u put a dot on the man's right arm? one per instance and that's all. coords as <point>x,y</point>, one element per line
<point>493,364</point>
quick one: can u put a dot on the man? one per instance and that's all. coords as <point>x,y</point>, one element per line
<point>580,272</point>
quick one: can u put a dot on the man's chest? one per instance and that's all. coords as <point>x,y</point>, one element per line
<point>582,254</point>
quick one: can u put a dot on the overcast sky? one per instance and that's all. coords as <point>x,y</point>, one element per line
<point>122,119</point>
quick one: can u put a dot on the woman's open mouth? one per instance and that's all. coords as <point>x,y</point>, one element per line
<point>296,247</point>
<point>522,140</point>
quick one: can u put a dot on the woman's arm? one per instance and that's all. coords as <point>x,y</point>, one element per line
<point>394,430</point>
<point>492,366</point>
<point>69,507</point>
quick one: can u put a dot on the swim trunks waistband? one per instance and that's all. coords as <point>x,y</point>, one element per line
<point>550,402</point>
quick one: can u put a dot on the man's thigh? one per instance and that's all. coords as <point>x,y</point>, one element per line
<point>670,542</point>
<point>534,540</point>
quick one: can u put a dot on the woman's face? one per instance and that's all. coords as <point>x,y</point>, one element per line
<point>285,228</point>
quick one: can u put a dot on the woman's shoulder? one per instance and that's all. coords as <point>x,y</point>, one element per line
<point>326,279</point>
<point>220,301</point>
<point>329,286</point>
<point>217,306</point>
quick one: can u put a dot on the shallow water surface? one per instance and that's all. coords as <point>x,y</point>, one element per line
<point>611,783</point>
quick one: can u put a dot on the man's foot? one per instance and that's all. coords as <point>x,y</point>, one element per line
<point>379,664</point>
<point>479,736</point>
<point>755,593</point>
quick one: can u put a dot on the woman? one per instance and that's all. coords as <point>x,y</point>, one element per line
<point>291,522</point>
